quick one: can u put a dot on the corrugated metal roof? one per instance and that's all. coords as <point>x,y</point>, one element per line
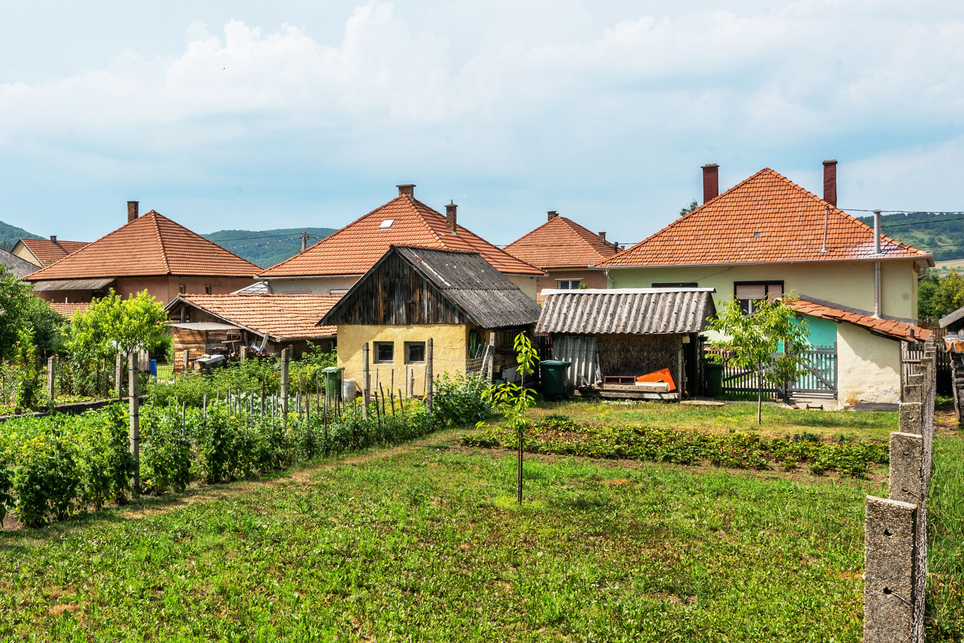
<point>72,284</point>
<point>635,311</point>
<point>471,283</point>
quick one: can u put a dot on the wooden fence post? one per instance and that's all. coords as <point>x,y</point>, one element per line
<point>119,376</point>
<point>285,356</point>
<point>429,374</point>
<point>135,420</point>
<point>491,373</point>
<point>186,363</point>
<point>52,379</point>
<point>366,381</point>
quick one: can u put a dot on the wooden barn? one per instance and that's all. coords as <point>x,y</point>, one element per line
<point>265,324</point>
<point>615,338</point>
<point>469,309</point>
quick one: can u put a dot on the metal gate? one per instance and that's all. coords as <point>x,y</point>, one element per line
<point>820,378</point>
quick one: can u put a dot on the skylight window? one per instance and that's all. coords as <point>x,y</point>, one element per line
<point>756,234</point>
<point>386,224</point>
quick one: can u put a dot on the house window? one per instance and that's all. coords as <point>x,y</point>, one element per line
<point>414,352</point>
<point>207,290</point>
<point>568,284</point>
<point>749,292</point>
<point>384,352</point>
<point>182,289</point>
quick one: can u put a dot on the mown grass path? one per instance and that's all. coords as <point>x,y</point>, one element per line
<point>425,542</point>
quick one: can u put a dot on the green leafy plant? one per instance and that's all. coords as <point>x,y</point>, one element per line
<point>514,400</point>
<point>770,341</point>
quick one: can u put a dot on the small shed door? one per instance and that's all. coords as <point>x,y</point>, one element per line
<point>580,351</point>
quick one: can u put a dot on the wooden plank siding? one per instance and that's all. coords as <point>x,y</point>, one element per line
<point>397,295</point>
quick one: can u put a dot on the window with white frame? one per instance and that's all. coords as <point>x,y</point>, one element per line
<point>568,284</point>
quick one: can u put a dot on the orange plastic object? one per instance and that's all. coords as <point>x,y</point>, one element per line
<point>662,375</point>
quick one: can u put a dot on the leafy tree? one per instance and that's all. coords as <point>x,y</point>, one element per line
<point>771,342</point>
<point>14,299</point>
<point>113,325</point>
<point>47,324</point>
<point>514,400</point>
<point>938,297</point>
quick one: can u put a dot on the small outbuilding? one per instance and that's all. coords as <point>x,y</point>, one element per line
<point>265,324</point>
<point>470,310</point>
<point>616,339</point>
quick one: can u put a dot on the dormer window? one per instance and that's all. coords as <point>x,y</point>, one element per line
<point>386,224</point>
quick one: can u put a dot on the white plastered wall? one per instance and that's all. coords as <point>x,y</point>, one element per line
<point>868,367</point>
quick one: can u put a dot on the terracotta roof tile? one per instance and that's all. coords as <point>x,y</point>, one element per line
<point>67,310</point>
<point>47,251</point>
<point>765,219</point>
<point>356,247</point>
<point>889,327</point>
<point>561,243</point>
<point>282,317</point>
<point>151,245</point>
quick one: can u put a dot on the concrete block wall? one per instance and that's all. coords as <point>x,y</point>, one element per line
<point>895,528</point>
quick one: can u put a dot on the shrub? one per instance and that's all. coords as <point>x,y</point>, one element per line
<point>459,400</point>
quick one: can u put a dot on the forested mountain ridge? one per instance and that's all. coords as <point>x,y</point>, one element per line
<point>266,247</point>
<point>941,233</point>
<point>9,235</point>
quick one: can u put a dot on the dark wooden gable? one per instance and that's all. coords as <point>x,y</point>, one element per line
<point>395,294</point>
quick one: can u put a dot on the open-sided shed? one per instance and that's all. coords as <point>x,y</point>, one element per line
<point>611,337</point>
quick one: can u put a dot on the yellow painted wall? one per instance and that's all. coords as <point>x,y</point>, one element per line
<point>450,342</point>
<point>868,366</point>
<point>849,284</point>
<point>21,251</point>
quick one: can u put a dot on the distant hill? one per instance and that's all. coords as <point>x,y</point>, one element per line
<point>10,234</point>
<point>267,247</point>
<point>939,233</point>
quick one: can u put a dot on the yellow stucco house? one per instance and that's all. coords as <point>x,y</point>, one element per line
<point>413,294</point>
<point>766,237</point>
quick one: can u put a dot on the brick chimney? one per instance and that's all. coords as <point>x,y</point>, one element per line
<point>131,210</point>
<point>406,189</point>
<point>830,181</point>
<point>711,182</point>
<point>552,214</point>
<point>53,238</point>
<point>451,220</point>
<point>602,237</point>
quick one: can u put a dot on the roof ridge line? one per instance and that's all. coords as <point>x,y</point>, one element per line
<point>160,239</point>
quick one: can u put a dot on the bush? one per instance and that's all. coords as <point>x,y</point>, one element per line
<point>459,400</point>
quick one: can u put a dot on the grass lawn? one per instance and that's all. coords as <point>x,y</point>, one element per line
<point>425,542</point>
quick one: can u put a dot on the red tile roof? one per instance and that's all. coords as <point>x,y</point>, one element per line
<point>67,310</point>
<point>47,251</point>
<point>561,243</point>
<point>765,219</point>
<point>151,245</point>
<point>282,317</point>
<point>356,247</point>
<point>888,327</point>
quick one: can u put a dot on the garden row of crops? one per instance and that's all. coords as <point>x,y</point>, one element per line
<point>55,467</point>
<point>562,436</point>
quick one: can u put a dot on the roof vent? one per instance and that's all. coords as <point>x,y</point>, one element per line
<point>386,224</point>
<point>406,189</point>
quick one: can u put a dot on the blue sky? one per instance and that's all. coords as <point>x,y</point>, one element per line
<point>262,115</point>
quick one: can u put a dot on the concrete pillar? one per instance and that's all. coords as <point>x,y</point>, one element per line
<point>906,473</point>
<point>911,417</point>
<point>890,541</point>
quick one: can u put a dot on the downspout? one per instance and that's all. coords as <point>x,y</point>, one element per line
<point>877,264</point>
<point>609,282</point>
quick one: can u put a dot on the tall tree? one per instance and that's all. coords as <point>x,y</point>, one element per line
<point>113,325</point>
<point>14,301</point>
<point>771,342</point>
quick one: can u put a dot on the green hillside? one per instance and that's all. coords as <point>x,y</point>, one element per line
<point>9,235</point>
<point>267,247</point>
<point>937,232</point>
